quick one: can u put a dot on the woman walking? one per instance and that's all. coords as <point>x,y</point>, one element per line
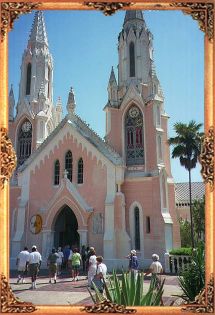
<point>91,267</point>
<point>76,262</point>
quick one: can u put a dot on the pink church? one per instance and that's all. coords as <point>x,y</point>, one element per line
<point>73,187</point>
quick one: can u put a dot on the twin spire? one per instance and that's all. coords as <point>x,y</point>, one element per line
<point>38,31</point>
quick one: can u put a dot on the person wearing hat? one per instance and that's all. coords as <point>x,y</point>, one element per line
<point>52,265</point>
<point>34,262</point>
<point>155,269</point>
<point>133,262</point>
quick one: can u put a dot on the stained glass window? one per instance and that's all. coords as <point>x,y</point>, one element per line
<point>134,136</point>
<point>68,165</point>
<point>24,142</point>
<point>80,171</point>
<point>57,172</point>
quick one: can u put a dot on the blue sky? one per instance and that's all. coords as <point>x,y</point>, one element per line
<point>84,48</point>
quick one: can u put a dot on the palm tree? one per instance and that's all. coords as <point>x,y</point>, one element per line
<point>187,146</point>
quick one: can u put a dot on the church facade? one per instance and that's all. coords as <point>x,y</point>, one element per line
<point>72,187</point>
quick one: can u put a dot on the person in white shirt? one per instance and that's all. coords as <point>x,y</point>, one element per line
<point>91,267</point>
<point>101,271</point>
<point>34,262</point>
<point>59,261</point>
<point>21,263</point>
<point>155,269</point>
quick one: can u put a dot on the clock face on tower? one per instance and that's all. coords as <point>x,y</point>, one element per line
<point>35,224</point>
<point>133,112</point>
<point>26,126</point>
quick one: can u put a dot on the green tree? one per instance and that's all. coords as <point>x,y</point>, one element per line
<point>187,146</point>
<point>185,232</point>
<point>199,219</point>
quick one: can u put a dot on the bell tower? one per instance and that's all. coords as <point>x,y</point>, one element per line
<point>35,113</point>
<point>35,100</point>
<point>134,110</point>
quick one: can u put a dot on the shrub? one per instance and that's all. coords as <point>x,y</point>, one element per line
<point>181,251</point>
<point>192,277</point>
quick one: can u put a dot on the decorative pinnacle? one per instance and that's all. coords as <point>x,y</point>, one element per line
<point>59,104</point>
<point>71,102</point>
<point>112,77</point>
<point>11,91</point>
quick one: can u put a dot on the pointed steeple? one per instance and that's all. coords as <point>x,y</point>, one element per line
<point>38,31</point>
<point>135,51</point>
<point>59,104</point>
<point>11,103</point>
<point>112,77</point>
<point>133,15</point>
<point>112,89</point>
<point>58,111</point>
<point>71,102</point>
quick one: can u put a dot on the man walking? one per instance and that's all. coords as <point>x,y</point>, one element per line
<point>21,263</point>
<point>52,265</point>
<point>34,262</point>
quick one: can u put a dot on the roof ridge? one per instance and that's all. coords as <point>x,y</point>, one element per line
<point>87,126</point>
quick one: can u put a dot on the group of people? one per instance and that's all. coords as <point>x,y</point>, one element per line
<point>28,262</point>
<point>72,260</point>
<point>155,268</point>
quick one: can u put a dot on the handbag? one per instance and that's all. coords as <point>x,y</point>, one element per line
<point>98,282</point>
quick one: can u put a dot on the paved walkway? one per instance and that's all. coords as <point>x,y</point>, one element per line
<point>66,291</point>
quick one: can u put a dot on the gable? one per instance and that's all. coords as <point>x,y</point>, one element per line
<point>84,137</point>
<point>132,96</point>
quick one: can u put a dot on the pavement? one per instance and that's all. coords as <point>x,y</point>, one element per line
<point>68,292</point>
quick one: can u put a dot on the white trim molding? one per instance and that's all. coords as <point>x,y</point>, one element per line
<point>132,227</point>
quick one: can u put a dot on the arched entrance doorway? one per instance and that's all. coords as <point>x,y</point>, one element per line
<point>65,229</point>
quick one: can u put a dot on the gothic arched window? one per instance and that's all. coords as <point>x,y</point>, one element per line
<point>56,172</point>
<point>24,142</point>
<point>80,171</point>
<point>68,165</point>
<point>134,136</point>
<point>132,59</point>
<point>137,228</point>
<point>28,79</point>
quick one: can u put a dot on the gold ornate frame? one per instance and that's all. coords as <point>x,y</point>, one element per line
<point>202,11</point>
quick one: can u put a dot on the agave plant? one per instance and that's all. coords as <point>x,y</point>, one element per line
<point>125,290</point>
<point>192,277</point>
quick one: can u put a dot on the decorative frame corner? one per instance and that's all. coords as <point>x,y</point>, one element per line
<point>10,303</point>
<point>204,301</point>
<point>10,11</point>
<point>201,12</point>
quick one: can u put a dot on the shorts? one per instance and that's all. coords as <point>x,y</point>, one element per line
<point>33,269</point>
<point>22,268</point>
<point>75,267</point>
<point>52,268</point>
